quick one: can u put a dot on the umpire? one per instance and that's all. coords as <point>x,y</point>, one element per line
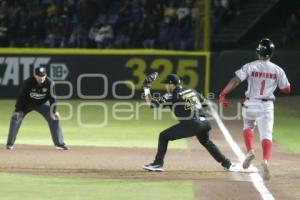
<point>36,95</point>
<point>187,105</point>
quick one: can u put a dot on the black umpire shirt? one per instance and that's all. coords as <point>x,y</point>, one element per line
<point>32,94</point>
<point>186,104</point>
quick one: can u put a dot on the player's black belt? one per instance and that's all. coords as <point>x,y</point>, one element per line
<point>261,99</point>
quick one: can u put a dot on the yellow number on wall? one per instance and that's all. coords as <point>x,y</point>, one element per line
<point>187,68</point>
<point>167,68</point>
<point>139,66</point>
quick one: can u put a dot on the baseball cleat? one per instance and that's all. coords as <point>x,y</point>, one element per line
<point>9,147</point>
<point>153,167</point>
<point>249,157</point>
<point>226,164</point>
<point>265,172</point>
<point>61,147</point>
<point>237,167</point>
<point>234,167</point>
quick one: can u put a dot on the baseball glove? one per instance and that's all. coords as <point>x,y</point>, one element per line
<point>150,78</point>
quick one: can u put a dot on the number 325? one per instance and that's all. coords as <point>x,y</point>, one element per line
<point>186,68</point>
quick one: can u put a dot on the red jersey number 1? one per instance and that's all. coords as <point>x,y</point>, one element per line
<point>262,86</point>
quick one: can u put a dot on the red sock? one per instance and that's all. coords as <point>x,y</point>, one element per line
<point>267,148</point>
<point>248,138</point>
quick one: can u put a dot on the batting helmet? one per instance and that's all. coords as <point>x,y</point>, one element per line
<point>265,48</point>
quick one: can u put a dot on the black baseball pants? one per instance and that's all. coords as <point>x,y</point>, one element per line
<point>186,129</point>
<point>44,110</point>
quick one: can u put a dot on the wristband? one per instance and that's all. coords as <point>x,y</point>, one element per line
<point>146,91</point>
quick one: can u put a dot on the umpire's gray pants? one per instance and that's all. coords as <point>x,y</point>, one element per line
<point>44,110</point>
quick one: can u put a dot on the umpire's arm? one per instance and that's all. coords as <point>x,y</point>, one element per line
<point>51,96</point>
<point>52,100</point>
<point>22,96</point>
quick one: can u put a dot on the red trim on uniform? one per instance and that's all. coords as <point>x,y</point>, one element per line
<point>267,149</point>
<point>286,90</point>
<point>248,138</point>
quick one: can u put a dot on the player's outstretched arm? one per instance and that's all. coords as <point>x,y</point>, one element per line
<point>146,87</point>
<point>231,85</point>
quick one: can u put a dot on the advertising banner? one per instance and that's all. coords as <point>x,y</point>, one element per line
<point>102,74</point>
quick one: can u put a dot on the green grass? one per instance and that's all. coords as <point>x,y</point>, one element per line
<point>140,130</point>
<point>286,128</point>
<point>53,188</point>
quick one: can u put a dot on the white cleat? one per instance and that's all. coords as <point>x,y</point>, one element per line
<point>265,172</point>
<point>237,167</point>
<point>62,147</point>
<point>9,147</point>
<point>153,168</point>
<point>234,167</point>
<point>249,157</point>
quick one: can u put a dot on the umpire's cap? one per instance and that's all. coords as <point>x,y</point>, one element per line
<point>265,48</point>
<point>40,71</point>
<point>172,79</point>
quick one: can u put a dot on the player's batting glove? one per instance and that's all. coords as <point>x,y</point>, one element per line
<point>150,78</point>
<point>222,99</point>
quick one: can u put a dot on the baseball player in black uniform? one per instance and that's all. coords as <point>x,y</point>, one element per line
<point>187,105</point>
<point>36,95</point>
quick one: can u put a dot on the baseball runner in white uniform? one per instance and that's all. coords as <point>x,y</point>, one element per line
<point>263,78</point>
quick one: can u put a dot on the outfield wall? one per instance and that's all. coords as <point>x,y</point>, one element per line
<point>119,74</point>
<point>100,74</point>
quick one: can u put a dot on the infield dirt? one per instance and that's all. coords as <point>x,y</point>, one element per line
<point>194,163</point>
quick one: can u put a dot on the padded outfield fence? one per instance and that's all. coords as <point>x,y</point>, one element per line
<point>118,74</point>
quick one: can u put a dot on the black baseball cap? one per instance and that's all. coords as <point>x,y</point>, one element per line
<point>172,79</point>
<point>40,71</point>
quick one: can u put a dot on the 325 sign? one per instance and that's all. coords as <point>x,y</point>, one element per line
<point>186,69</point>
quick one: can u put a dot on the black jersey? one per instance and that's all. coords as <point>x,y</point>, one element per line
<point>32,94</point>
<point>186,104</point>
